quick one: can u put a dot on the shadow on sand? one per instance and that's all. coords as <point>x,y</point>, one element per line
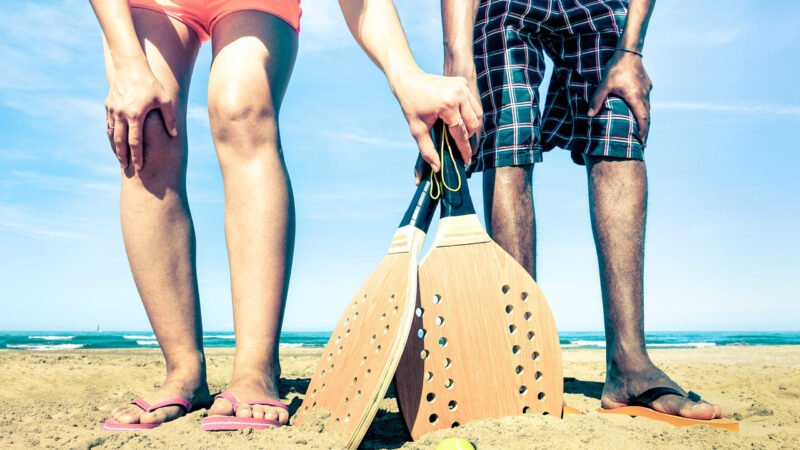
<point>389,431</point>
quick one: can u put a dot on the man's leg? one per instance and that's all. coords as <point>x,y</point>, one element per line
<point>253,57</point>
<point>618,202</point>
<point>157,226</point>
<point>509,212</point>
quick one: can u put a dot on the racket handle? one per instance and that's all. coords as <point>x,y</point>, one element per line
<point>420,211</point>
<point>456,200</point>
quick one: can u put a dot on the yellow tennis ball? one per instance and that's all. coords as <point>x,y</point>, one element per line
<point>455,443</point>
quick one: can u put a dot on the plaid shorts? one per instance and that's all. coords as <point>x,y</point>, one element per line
<point>580,36</point>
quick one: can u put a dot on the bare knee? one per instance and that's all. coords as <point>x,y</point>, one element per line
<point>508,186</point>
<point>164,158</point>
<point>243,127</point>
<point>509,212</point>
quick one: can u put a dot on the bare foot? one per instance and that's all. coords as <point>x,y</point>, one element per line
<point>189,385</point>
<point>249,388</point>
<point>623,386</point>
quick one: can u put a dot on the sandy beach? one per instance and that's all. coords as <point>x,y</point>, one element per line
<point>59,400</point>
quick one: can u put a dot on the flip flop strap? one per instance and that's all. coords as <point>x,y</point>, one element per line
<point>649,396</point>
<point>175,401</point>
<point>267,403</point>
<point>227,395</point>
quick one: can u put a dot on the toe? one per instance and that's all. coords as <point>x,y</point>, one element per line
<point>129,415</point>
<point>697,410</point>
<point>161,415</point>
<point>283,416</point>
<point>717,412</point>
<point>258,412</point>
<point>271,414</point>
<point>244,411</point>
<point>221,407</point>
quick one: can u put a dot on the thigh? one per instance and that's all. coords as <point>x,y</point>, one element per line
<point>254,53</point>
<point>510,65</point>
<point>580,48</point>
<point>171,49</point>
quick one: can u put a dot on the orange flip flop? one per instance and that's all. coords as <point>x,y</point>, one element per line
<point>570,410</point>
<point>639,408</point>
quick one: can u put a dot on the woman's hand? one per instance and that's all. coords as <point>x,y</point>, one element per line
<point>132,95</point>
<point>426,98</point>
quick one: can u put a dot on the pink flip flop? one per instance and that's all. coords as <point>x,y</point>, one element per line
<point>113,425</point>
<point>232,423</point>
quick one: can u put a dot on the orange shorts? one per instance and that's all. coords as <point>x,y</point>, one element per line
<point>202,15</point>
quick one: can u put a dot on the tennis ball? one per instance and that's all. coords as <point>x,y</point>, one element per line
<point>455,443</point>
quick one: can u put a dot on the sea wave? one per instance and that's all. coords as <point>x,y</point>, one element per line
<point>291,345</point>
<point>52,338</point>
<point>220,337</point>
<point>602,344</point>
<point>582,343</point>
<point>147,342</point>
<point>134,337</point>
<point>686,344</point>
<point>44,347</point>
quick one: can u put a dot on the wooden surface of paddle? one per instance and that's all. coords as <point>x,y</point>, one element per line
<point>361,357</point>
<point>483,341</point>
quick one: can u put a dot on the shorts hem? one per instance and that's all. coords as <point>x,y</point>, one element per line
<point>196,28</point>
<point>293,21</point>
<point>517,158</point>
<point>616,151</point>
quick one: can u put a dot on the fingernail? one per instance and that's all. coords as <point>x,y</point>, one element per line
<point>591,111</point>
<point>174,132</point>
<point>138,166</point>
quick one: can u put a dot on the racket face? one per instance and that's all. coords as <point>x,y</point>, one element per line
<point>483,342</point>
<point>358,362</point>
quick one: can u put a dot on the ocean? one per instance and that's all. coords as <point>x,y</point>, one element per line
<point>63,340</point>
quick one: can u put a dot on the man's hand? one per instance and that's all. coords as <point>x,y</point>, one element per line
<point>626,78</point>
<point>453,67</point>
<point>425,98</point>
<point>132,95</point>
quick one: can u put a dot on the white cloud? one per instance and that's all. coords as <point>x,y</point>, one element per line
<point>71,186</point>
<point>367,139</point>
<point>39,223</point>
<point>757,108</point>
<point>197,113</point>
<point>723,36</point>
<point>39,42</point>
<point>322,27</point>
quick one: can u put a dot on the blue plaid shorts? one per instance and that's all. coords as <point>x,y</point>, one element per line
<point>511,37</point>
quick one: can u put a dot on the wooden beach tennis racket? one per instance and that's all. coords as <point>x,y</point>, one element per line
<point>483,341</point>
<point>361,357</point>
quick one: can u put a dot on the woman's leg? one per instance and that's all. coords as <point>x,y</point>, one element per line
<point>157,226</point>
<point>253,57</point>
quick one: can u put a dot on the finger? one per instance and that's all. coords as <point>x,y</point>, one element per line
<point>427,150</point>
<point>168,114</point>
<point>471,118</point>
<point>110,134</point>
<point>641,110</point>
<point>135,142</point>
<point>475,102</point>
<point>419,167</point>
<point>457,129</point>
<point>597,100</point>
<point>473,141</point>
<point>121,141</point>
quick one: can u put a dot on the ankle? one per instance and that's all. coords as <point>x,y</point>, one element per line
<point>190,365</point>
<point>622,360</point>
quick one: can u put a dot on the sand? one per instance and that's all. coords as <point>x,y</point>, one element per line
<point>60,399</point>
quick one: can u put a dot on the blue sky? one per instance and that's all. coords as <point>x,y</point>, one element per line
<point>722,249</point>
